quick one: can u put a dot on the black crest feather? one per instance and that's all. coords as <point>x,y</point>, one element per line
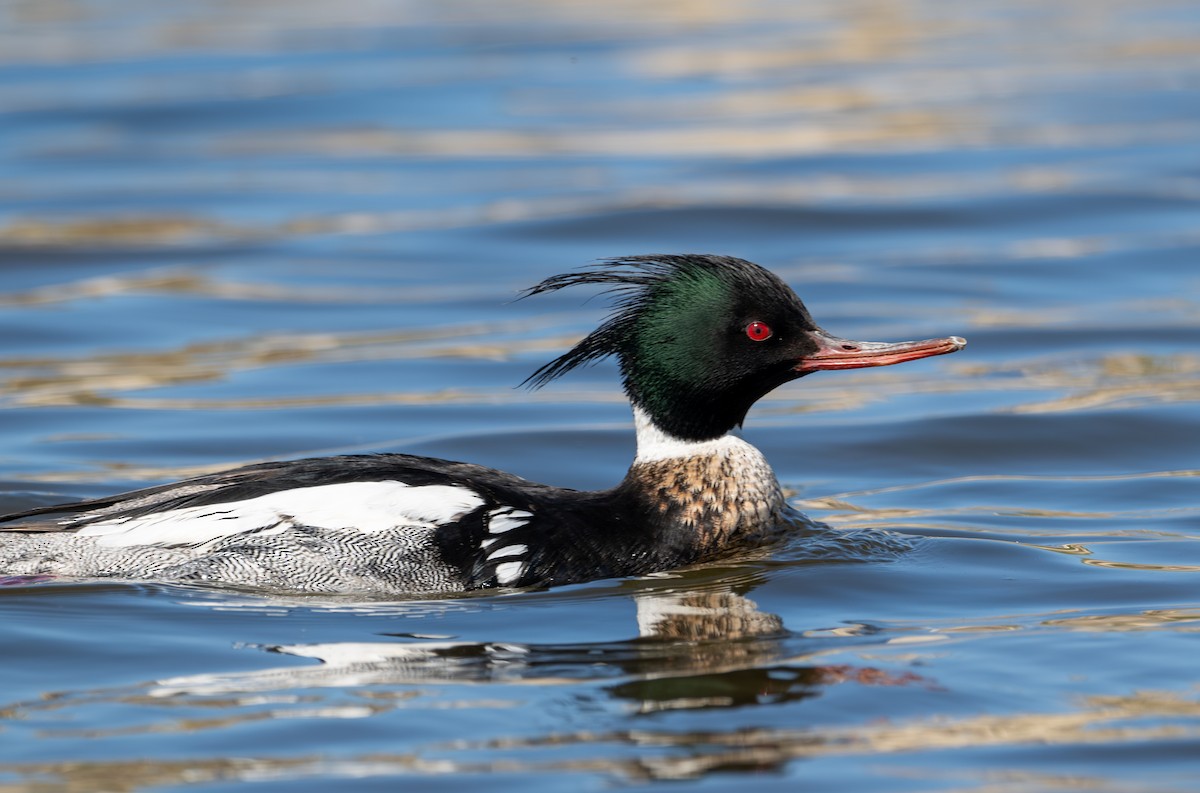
<point>633,280</point>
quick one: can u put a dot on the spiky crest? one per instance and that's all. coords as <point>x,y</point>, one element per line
<point>634,281</point>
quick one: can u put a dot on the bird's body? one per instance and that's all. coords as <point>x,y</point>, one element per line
<point>398,523</point>
<point>699,339</point>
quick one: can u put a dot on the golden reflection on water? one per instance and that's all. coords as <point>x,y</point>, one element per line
<point>654,754</point>
<point>1161,568</point>
<point>920,94</point>
<point>104,231</point>
<point>185,281</point>
<point>99,377</point>
<point>694,651</point>
<point>1118,379</point>
<point>179,231</point>
<point>908,90</point>
<point>1185,619</point>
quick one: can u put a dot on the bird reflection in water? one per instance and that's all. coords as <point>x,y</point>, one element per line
<point>694,649</point>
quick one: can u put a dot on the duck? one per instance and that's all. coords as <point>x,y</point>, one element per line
<point>698,339</point>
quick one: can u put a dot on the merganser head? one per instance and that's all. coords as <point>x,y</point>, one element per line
<point>701,338</point>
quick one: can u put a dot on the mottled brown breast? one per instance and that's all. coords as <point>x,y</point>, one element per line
<point>727,498</point>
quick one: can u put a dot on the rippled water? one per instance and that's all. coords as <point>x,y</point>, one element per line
<point>239,231</point>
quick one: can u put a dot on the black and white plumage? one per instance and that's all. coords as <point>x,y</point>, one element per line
<point>698,338</point>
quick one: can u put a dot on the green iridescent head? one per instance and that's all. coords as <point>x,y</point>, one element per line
<point>701,338</point>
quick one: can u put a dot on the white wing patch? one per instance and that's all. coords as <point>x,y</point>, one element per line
<point>368,507</point>
<point>500,521</point>
<point>505,518</point>
<point>508,550</point>
<point>509,572</point>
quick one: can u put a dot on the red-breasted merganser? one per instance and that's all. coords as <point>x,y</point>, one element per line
<point>698,338</point>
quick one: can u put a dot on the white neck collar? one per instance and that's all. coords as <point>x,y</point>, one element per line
<point>655,444</point>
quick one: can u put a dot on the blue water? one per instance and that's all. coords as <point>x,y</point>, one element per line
<point>236,232</point>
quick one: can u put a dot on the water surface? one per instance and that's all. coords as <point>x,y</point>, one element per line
<point>236,232</point>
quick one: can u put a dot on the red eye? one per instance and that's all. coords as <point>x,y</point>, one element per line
<point>758,331</point>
